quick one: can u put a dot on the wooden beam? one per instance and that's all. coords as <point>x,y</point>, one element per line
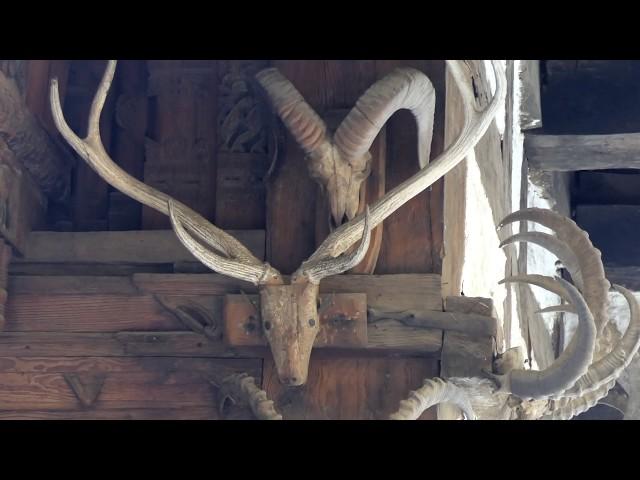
<point>530,104</point>
<point>22,206</point>
<point>137,247</point>
<point>27,139</point>
<point>565,153</point>
<point>628,277</point>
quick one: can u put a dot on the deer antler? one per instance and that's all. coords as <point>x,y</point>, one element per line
<point>239,262</point>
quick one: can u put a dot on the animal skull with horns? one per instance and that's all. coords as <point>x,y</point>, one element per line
<point>582,375</point>
<point>289,311</point>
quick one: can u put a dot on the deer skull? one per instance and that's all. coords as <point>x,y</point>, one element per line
<point>289,312</point>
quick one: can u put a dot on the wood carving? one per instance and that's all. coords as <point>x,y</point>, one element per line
<point>585,371</point>
<point>30,143</point>
<point>289,312</point>
<point>85,386</point>
<point>193,315</point>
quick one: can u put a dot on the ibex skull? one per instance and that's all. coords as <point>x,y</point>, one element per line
<point>289,311</point>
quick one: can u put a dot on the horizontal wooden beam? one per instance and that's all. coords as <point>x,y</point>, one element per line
<point>565,153</point>
<point>386,292</point>
<point>48,164</point>
<point>134,247</point>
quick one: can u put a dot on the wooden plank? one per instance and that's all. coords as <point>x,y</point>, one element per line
<point>412,240</point>
<point>353,388</point>
<point>128,139</point>
<point>343,321</point>
<point>566,153</point>
<point>182,413</point>
<point>71,285</point>
<point>470,305</point>
<point>612,229</point>
<point>87,269</point>
<point>470,323</point>
<point>147,344</point>
<point>139,247</point>
<point>155,386</point>
<point>530,101</point>
<point>386,292</point>
<point>87,313</point>
<point>466,354</point>
<point>396,336</point>
<point>30,143</point>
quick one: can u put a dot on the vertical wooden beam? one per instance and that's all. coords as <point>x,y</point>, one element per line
<point>412,240</point>
<point>530,103</point>
<point>245,146</point>
<point>181,146</point>
<point>128,140</point>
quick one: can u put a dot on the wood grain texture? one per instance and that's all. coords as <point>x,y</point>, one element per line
<point>29,142</point>
<point>139,247</point>
<point>465,355</point>
<point>157,384</point>
<point>145,344</point>
<point>566,153</point>
<point>387,292</point>
<point>470,305</point>
<point>349,388</point>
<point>181,148</point>
<point>343,321</point>
<point>412,241</point>
<point>5,258</point>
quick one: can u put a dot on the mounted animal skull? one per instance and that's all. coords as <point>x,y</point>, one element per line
<point>341,162</point>
<point>289,311</point>
<point>585,371</point>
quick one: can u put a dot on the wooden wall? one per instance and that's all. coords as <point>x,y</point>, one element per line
<point>199,131</point>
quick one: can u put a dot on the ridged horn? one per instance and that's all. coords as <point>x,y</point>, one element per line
<point>403,88</point>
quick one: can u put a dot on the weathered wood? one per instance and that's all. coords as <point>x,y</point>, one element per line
<point>386,292</point>
<point>87,269</point>
<point>455,187</point>
<point>87,313</point>
<point>530,102</point>
<point>465,355</point>
<point>470,323</point>
<point>181,147</point>
<point>343,321</point>
<point>613,229</point>
<point>153,387</point>
<point>395,335</point>
<point>86,387</point>
<point>566,153</point>
<point>182,413</point>
<point>349,387</point>
<point>22,205</point>
<point>470,305</point>
<point>147,344</point>
<point>412,241</point>
<point>5,258</point>
<point>30,143</point>
<point>139,247</point>
<point>39,72</point>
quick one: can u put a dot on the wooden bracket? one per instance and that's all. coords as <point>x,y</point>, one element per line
<point>343,321</point>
